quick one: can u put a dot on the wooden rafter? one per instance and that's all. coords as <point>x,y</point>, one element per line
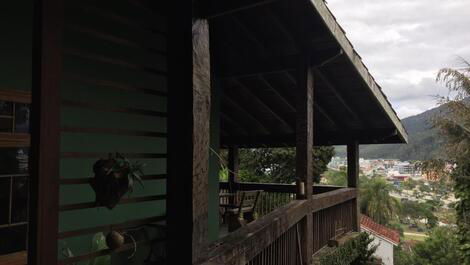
<point>247,115</point>
<point>233,123</point>
<point>228,7</point>
<point>259,101</point>
<point>335,91</point>
<point>249,34</point>
<point>278,94</point>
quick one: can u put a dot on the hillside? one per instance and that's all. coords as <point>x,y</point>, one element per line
<point>423,141</point>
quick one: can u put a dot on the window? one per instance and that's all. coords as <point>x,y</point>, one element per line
<point>14,178</point>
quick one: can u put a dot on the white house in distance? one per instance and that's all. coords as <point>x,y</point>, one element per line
<point>383,236</point>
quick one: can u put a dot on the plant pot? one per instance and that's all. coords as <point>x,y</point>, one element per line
<point>114,240</point>
<point>109,186</point>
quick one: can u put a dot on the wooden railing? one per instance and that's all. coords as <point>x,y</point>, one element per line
<point>332,220</point>
<point>275,237</point>
<point>273,196</point>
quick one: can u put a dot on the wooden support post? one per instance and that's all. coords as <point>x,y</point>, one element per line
<point>188,134</point>
<point>304,145</point>
<point>233,163</point>
<point>45,141</point>
<point>353,179</point>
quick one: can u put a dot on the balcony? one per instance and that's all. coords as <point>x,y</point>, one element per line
<point>275,237</point>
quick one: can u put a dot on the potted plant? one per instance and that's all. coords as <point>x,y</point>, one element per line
<point>114,177</point>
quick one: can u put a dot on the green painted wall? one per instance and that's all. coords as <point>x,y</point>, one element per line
<point>91,53</point>
<point>214,163</point>
<point>16,44</point>
<point>15,73</point>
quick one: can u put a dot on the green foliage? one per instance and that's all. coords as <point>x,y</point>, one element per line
<point>336,178</point>
<point>277,165</point>
<point>440,248</point>
<point>455,127</point>
<point>99,243</point>
<point>376,202</point>
<point>357,251</point>
<point>461,176</point>
<point>125,168</point>
<point>410,184</point>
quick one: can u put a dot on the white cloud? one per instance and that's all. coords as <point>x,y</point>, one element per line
<point>405,42</point>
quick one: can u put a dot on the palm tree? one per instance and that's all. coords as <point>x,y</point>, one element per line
<point>455,127</point>
<point>376,202</point>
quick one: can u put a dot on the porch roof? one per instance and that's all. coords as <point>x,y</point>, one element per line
<point>255,54</point>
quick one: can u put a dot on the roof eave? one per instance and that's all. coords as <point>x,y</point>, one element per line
<point>339,35</point>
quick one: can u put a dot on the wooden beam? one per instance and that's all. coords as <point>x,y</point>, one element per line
<point>343,137</point>
<point>340,98</point>
<point>233,164</point>
<point>258,65</point>
<point>233,124</point>
<point>258,126</point>
<point>325,114</point>
<point>259,140</point>
<point>353,178</point>
<point>228,7</point>
<point>260,102</point>
<point>188,134</point>
<point>304,148</point>
<point>278,94</point>
<point>45,131</point>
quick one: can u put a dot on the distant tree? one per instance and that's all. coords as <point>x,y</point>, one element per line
<point>440,248</point>
<point>376,202</point>
<point>454,125</point>
<point>277,165</point>
<point>336,178</point>
<point>409,184</point>
<point>415,211</point>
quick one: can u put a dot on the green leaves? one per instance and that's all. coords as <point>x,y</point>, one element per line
<point>277,165</point>
<point>123,167</point>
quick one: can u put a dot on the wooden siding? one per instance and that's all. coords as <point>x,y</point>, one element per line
<point>113,99</point>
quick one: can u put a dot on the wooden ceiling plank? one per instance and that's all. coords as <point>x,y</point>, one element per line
<point>233,123</point>
<point>340,98</point>
<point>259,101</point>
<point>277,93</point>
<point>259,126</point>
<point>229,7</point>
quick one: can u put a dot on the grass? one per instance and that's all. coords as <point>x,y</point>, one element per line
<point>415,237</point>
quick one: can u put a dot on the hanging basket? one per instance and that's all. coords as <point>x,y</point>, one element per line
<point>113,178</point>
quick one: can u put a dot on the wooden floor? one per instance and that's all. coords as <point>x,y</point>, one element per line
<point>18,258</point>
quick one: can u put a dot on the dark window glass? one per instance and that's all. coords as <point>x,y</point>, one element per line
<point>14,161</point>
<point>13,239</point>
<point>6,124</point>
<point>19,208</point>
<point>6,108</point>
<point>22,112</point>
<point>4,200</point>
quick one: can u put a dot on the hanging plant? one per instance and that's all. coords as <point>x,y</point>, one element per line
<point>114,177</point>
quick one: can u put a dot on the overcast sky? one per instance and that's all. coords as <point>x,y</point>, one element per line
<point>405,42</point>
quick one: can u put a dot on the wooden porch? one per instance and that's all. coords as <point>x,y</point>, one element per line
<point>169,83</point>
<point>275,238</point>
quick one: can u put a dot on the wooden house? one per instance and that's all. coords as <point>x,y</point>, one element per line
<point>169,83</point>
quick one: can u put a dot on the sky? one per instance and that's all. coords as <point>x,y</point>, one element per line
<point>405,42</point>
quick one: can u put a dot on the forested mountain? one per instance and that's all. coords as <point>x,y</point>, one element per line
<point>423,143</point>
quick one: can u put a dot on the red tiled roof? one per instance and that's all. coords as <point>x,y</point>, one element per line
<point>379,229</point>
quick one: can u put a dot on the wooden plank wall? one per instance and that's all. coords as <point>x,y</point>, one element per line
<point>113,99</point>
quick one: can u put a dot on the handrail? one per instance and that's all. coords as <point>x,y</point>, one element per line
<point>243,245</point>
<point>277,187</point>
